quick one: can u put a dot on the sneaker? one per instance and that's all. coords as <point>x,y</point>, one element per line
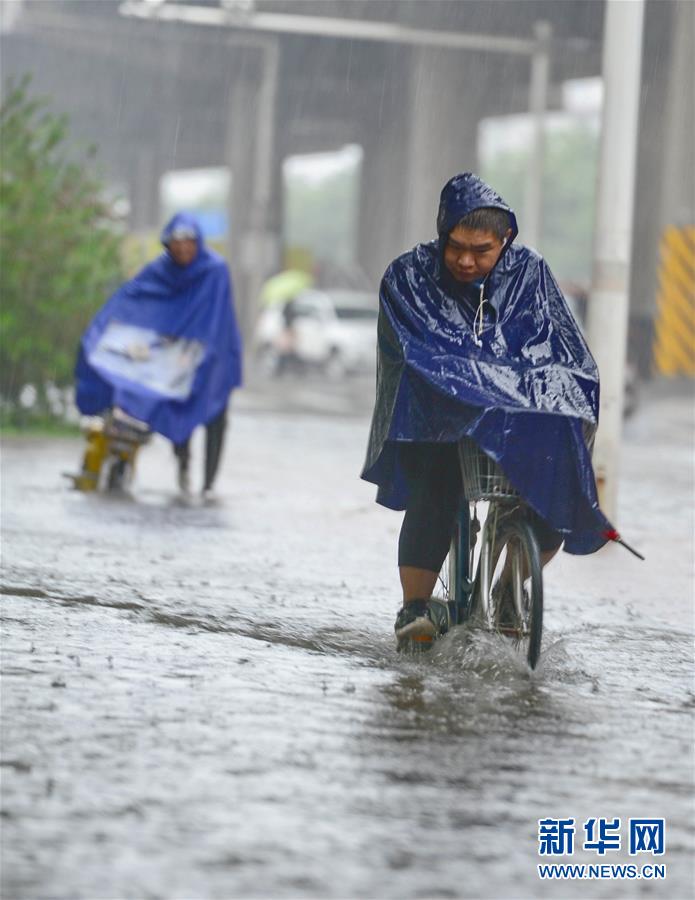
<point>208,495</point>
<point>420,622</point>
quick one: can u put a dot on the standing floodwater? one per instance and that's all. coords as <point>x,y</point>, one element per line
<point>205,701</point>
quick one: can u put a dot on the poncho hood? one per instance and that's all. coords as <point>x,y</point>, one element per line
<point>463,194</point>
<point>524,386</point>
<point>186,222</point>
<point>165,347</point>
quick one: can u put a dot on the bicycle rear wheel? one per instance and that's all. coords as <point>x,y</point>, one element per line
<point>510,571</point>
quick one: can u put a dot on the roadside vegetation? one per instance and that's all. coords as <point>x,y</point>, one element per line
<point>59,256</point>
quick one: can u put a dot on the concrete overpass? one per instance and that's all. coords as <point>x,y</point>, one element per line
<point>156,95</point>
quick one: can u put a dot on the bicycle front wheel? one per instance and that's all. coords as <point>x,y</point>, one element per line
<point>512,584</point>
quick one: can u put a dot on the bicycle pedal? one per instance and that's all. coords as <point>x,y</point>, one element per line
<point>510,631</point>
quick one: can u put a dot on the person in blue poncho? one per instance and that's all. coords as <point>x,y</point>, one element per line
<point>166,347</point>
<point>475,339</point>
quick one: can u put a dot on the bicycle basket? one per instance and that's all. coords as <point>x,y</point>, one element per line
<point>483,479</point>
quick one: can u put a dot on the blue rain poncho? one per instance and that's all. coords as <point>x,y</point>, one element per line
<point>514,374</point>
<point>165,348</point>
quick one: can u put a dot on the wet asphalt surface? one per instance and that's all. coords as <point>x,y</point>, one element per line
<point>205,701</point>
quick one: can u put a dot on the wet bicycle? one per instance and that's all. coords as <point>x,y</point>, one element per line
<point>494,568</point>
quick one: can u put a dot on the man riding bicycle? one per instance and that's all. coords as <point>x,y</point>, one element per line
<point>476,340</point>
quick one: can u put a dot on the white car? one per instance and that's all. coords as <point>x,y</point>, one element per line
<point>334,331</point>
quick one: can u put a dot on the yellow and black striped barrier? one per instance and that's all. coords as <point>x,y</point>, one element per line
<point>674,327</point>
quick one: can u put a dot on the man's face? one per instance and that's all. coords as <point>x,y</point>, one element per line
<point>183,251</point>
<point>471,254</point>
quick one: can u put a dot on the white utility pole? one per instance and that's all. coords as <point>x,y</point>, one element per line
<point>532,222</point>
<point>609,297</point>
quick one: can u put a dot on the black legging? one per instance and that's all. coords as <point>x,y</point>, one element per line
<point>434,481</point>
<point>214,441</point>
<point>436,493</point>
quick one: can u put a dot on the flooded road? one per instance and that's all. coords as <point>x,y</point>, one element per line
<point>205,701</point>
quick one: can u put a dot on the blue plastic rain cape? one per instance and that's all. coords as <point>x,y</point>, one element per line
<point>165,348</point>
<point>520,380</point>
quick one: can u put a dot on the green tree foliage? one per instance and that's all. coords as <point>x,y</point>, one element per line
<point>59,251</point>
<point>569,188</point>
